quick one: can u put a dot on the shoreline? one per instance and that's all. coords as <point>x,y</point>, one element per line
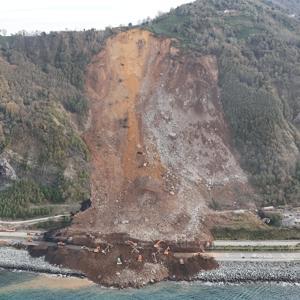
<point>228,272</point>
<point>252,272</point>
<point>20,259</point>
<point>42,271</point>
<point>202,279</point>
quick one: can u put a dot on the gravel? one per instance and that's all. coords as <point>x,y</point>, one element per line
<point>11,258</point>
<point>253,272</point>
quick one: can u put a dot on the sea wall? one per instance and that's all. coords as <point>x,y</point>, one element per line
<point>228,272</point>
<point>15,259</point>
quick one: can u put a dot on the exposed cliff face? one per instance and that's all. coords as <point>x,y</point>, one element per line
<point>158,140</point>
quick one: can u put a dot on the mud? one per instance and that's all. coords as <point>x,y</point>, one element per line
<point>123,264</point>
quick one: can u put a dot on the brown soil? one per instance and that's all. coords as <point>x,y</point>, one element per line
<point>123,265</point>
<point>160,152</point>
<point>157,138</point>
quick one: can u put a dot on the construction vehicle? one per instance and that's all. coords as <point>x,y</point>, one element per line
<point>154,257</point>
<point>134,247</point>
<point>119,261</point>
<point>167,251</point>
<point>140,258</point>
<point>131,243</point>
<point>97,250</point>
<point>158,246</point>
<point>107,249</point>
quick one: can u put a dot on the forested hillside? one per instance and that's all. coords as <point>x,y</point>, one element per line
<point>293,6</point>
<point>257,46</point>
<point>42,112</point>
<point>44,109</point>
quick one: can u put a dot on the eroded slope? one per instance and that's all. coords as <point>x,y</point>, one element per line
<point>158,140</point>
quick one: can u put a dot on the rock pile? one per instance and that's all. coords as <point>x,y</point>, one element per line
<point>235,272</point>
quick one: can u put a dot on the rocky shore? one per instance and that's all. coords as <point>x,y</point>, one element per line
<point>235,272</point>
<point>228,272</point>
<point>19,259</point>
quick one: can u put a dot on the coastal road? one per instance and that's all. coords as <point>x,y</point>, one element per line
<point>256,256</point>
<point>32,221</point>
<point>19,235</point>
<point>225,243</point>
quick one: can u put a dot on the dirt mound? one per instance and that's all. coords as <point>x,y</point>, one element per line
<point>127,263</point>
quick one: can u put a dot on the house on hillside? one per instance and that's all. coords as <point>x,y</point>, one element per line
<point>230,12</point>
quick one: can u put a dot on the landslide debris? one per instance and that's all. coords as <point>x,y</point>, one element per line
<point>157,139</point>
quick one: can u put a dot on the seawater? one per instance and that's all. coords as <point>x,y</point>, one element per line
<point>163,291</point>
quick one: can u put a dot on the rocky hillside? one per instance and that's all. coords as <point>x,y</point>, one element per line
<point>198,108</point>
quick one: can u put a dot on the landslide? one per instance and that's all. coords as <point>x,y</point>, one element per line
<point>158,142</point>
<point>157,139</point>
<point>175,125</point>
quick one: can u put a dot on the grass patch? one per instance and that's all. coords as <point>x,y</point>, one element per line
<point>227,233</point>
<point>255,248</point>
<point>52,225</point>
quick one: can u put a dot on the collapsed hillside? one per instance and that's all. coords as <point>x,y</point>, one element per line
<point>253,47</point>
<point>195,110</point>
<point>157,139</point>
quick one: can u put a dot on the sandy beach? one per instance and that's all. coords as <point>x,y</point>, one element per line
<point>43,281</point>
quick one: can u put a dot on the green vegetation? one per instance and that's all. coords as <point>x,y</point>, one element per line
<point>258,49</point>
<point>293,6</point>
<point>77,105</point>
<point>255,248</point>
<point>274,217</point>
<point>52,225</point>
<point>229,233</point>
<point>16,201</point>
<point>42,112</point>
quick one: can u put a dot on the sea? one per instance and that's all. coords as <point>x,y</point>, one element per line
<point>31,286</point>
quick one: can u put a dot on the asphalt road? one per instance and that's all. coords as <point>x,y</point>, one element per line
<point>256,256</point>
<point>32,221</point>
<point>256,243</point>
<point>21,236</point>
